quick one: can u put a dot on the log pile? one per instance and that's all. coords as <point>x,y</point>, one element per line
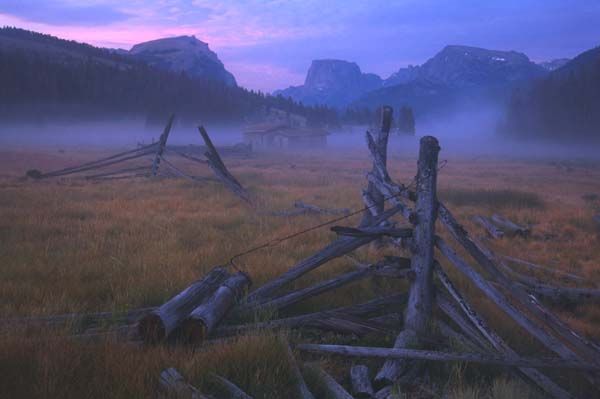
<point>209,307</point>
<point>128,166</point>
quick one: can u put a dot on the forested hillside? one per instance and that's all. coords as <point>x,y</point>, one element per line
<point>43,77</point>
<point>564,105</point>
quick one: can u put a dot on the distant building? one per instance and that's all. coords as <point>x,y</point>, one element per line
<point>284,130</point>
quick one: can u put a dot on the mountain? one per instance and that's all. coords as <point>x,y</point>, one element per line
<point>332,82</point>
<point>564,105</point>
<point>46,78</point>
<point>465,67</point>
<point>458,80</point>
<point>553,64</point>
<point>183,54</point>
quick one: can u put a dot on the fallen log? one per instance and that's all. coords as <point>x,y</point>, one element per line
<point>218,167</point>
<point>158,324</point>
<point>417,354</point>
<point>490,227</point>
<point>232,390</point>
<point>173,386</point>
<point>303,391</point>
<point>421,294</point>
<point>509,227</point>
<point>202,320</point>
<point>361,383</point>
<point>316,209</point>
<point>541,380</point>
<point>334,390</point>
<point>338,248</point>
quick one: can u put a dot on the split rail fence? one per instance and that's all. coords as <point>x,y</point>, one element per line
<point>204,310</point>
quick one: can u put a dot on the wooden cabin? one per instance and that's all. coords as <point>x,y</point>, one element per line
<point>265,136</point>
<point>284,130</point>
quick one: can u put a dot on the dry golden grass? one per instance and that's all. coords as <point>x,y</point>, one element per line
<point>76,246</point>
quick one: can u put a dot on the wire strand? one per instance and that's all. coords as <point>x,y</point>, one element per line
<point>276,241</point>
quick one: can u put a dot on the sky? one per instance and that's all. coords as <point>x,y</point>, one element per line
<point>269,44</point>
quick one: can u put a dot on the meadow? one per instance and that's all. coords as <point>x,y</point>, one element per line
<point>72,245</point>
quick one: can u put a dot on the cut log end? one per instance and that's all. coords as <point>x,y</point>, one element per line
<point>151,328</point>
<point>193,331</point>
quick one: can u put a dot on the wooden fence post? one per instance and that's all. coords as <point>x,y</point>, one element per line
<point>373,195</point>
<point>162,143</point>
<point>420,301</point>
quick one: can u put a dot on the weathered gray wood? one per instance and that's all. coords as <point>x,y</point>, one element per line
<point>347,324</point>
<point>334,390</point>
<point>308,292</point>
<point>173,386</point>
<point>417,354</point>
<point>541,380</point>
<point>563,295</point>
<point>218,167</point>
<point>489,262</point>
<point>338,248</point>
<point>385,393</point>
<point>180,173</point>
<point>316,209</point>
<point>188,156</point>
<point>233,391</point>
<point>421,294</point>
<point>117,172</point>
<point>509,227</point>
<point>363,309</point>
<point>535,266</point>
<point>490,227</point>
<point>303,391</point>
<point>162,142</point>
<point>534,328</point>
<point>380,143</point>
<point>389,231</point>
<point>158,324</point>
<point>203,319</point>
<point>97,163</point>
<point>361,383</point>
<point>457,317</point>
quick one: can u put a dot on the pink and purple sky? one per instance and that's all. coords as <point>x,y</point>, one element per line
<point>269,44</point>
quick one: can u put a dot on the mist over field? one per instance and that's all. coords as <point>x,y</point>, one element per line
<point>299,199</point>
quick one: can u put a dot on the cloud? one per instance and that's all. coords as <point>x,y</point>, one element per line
<point>267,42</point>
<point>61,12</point>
